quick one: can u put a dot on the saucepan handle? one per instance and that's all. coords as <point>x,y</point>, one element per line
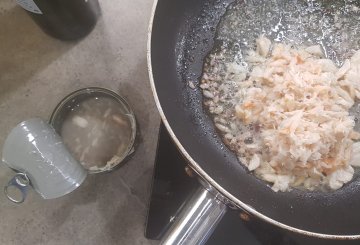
<point>197,220</point>
<point>22,183</point>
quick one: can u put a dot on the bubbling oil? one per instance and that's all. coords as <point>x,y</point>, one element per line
<point>334,25</point>
<point>331,24</point>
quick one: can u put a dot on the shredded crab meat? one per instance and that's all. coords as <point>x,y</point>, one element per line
<point>286,115</point>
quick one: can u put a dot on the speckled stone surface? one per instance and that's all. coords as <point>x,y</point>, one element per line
<point>36,72</point>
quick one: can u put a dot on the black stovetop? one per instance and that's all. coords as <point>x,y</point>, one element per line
<point>172,186</point>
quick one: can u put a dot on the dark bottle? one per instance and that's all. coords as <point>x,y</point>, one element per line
<point>63,19</point>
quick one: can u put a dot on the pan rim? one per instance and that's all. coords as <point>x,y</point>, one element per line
<point>202,173</point>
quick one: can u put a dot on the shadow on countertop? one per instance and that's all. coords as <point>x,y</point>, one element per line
<point>24,49</point>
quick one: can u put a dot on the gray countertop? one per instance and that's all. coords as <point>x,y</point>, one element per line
<point>36,72</point>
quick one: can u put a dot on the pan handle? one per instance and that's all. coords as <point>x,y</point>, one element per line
<point>197,220</point>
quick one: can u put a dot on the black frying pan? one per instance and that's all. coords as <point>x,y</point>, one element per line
<point>178,47</point>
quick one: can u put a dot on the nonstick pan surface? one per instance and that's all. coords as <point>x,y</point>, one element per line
<point>181,35</point>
